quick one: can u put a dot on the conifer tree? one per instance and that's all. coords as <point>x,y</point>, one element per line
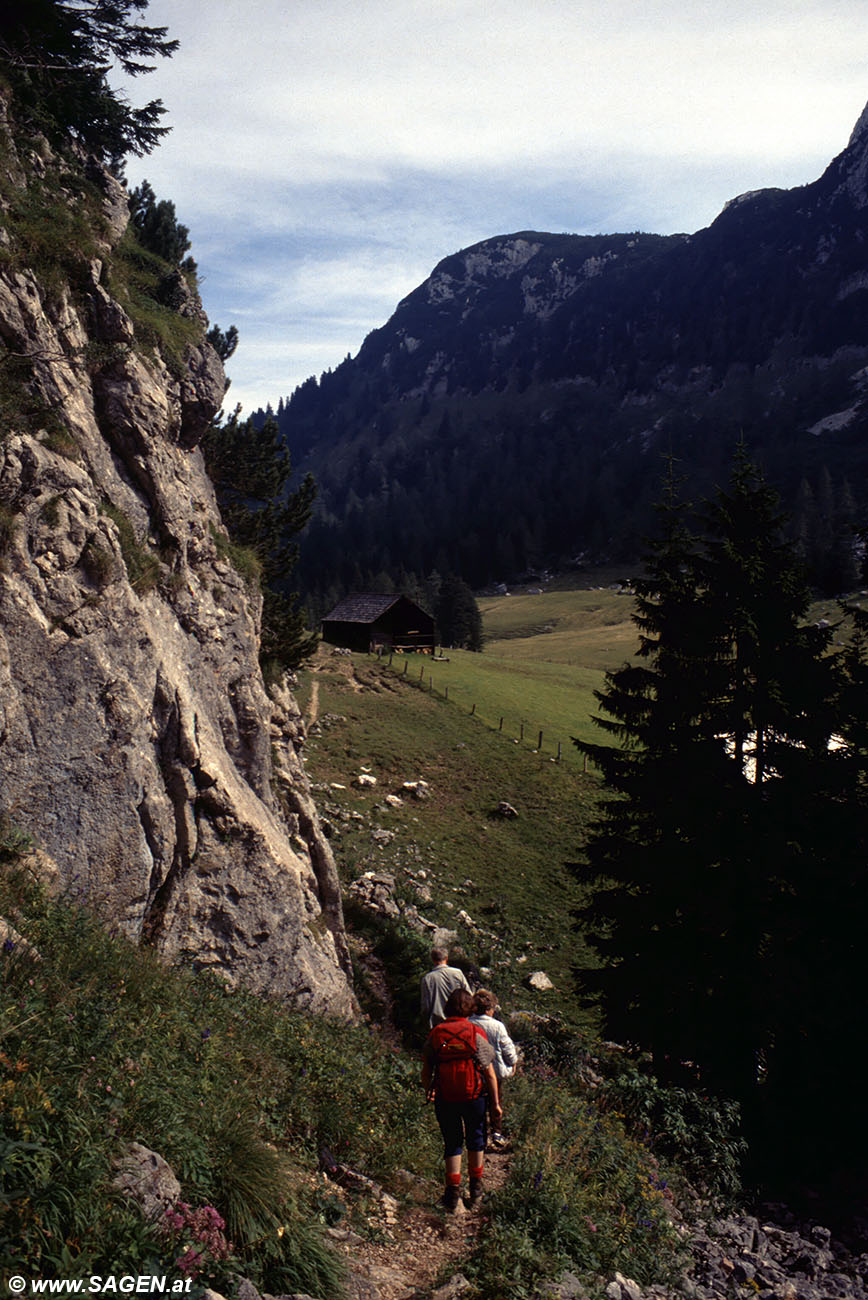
<point>157,226</point>
<point>251,468</point>
<point>57,56</point>
<point>774,685</point>
<point>704,849</point>
<point>457,615</point>
<point>649,846</point>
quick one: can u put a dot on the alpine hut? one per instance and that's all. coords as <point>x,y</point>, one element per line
<point>369,622</point>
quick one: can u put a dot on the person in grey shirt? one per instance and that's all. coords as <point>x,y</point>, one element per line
<point>437,985</point>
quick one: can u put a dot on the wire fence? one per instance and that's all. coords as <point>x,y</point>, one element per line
<point>520,731</point>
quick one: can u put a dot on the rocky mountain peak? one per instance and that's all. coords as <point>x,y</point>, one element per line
<point>859,134</point>
<point>848,173</point>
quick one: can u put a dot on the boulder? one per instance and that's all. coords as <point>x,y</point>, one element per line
<point>566,1287</point>
<point>623,1288</point>
<point>417,789</point>
<point>375,891</point>
<point>539,981</point>
<point>147,1179</point>
<point>455,1288</point>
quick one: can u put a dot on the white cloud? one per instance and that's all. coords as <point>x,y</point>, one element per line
<point>326,154</point>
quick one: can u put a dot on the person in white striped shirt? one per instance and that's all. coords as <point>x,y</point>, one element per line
<point>505,1052</point>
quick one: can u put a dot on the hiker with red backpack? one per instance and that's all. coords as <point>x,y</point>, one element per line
<point>458,1074</point>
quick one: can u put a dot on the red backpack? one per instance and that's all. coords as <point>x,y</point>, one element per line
<point>456,1074</point>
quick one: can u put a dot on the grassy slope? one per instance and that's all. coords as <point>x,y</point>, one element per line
<point>102,1045</point>
<point>544,657</point>
<point>511,876</point>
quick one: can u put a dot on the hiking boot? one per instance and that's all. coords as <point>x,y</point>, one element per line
<point>451,1197</point>
<point>475,1191</point>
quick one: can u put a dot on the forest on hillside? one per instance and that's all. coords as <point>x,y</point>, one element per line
<point>498,491</point>
<point>513,413</point>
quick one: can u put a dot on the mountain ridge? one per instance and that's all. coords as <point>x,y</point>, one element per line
<point>604,352</point>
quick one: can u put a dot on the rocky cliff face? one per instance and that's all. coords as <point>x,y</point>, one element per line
<point>137,742</point>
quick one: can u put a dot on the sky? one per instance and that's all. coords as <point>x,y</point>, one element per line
<point>327,154</point>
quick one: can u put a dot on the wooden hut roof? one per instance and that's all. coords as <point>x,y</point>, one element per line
<point>366,607</point>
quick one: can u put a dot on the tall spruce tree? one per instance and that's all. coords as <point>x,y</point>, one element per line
<point>774,699</point>
<point>251,468</point>
<point>650,846</point>
<point>701,847</point>
<point>816,1084</point>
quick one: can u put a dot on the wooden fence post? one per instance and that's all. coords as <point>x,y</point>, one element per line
<point>559,751</point>
<point>539,742</point>
<point>472,711</point>
<point>500,728</point>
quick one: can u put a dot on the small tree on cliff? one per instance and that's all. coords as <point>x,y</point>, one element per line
<point>156,225</point>
<point>251,469</point>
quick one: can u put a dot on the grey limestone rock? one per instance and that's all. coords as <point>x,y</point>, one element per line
<point>567,1287</point>
<point>138,744</point>
<point>147,1179</point>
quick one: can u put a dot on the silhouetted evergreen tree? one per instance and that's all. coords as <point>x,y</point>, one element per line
<point>815,1079</point>
<point>251,469</point>
<point>650,846</point>
<point>711,850</point>
<point>457,615</point>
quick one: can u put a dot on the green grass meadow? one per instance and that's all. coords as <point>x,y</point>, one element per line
<point>511,876</point>
<point>415,717</point>
<point>544,657</point>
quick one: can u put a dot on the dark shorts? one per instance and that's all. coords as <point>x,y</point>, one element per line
<point>463,1124</point>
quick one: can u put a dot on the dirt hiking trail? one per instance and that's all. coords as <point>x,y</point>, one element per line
<point>426,1246</point>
